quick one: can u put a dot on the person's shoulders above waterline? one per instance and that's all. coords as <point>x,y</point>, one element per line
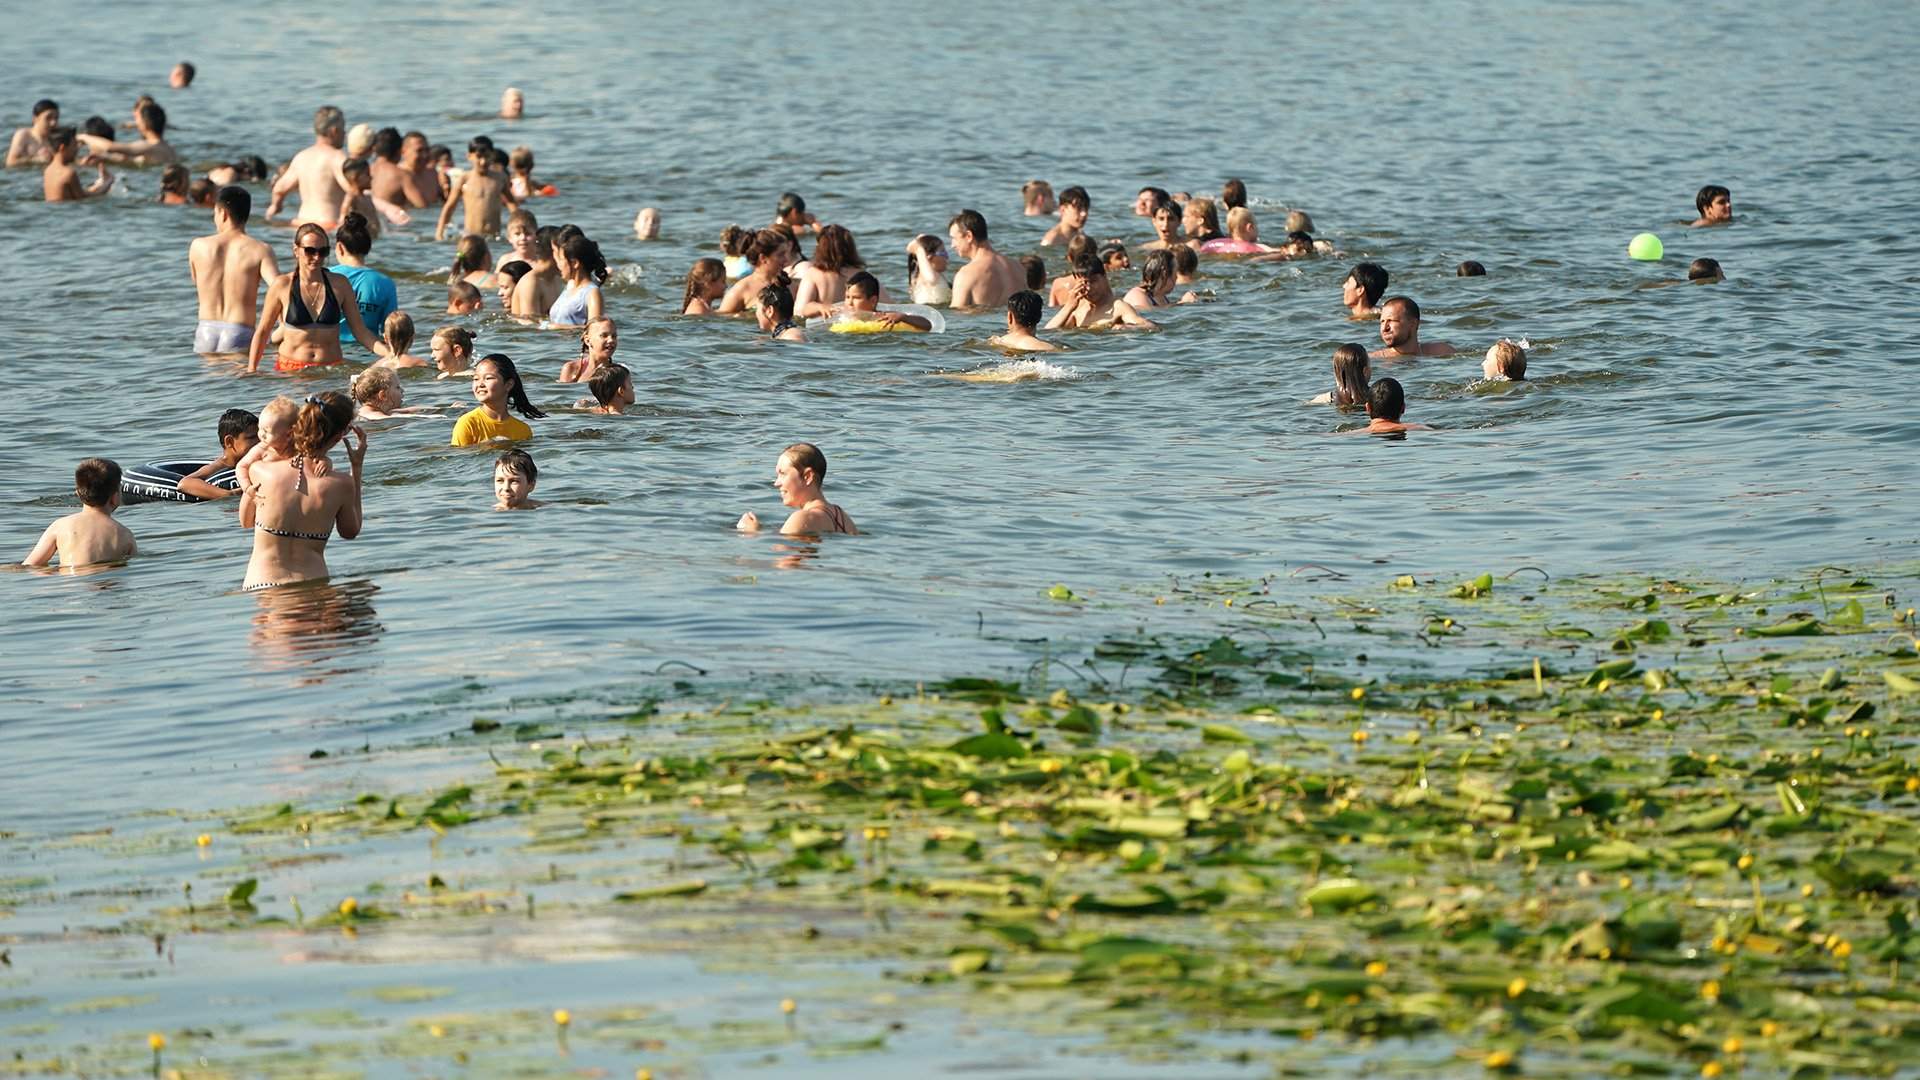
<point>477,427</point>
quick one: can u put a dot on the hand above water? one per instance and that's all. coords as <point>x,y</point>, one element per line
<point>749,522</point>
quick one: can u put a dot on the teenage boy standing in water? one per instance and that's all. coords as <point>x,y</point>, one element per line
<point>228,269</point>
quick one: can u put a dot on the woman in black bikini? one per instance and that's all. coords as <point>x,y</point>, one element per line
<point>295,505</point>
<point>315,301</point>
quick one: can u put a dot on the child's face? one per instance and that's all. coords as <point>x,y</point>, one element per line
<point>442,352</point>
<point>489,387</point>
<point>861,300</point>
<point>276,431</point>
<point>519,236</point>
<point>1073,217</point>
<point>511,489</point>
<point>391,398</point>
<point>602,339</point>
<point>236,446</point>
<point>625,396</point>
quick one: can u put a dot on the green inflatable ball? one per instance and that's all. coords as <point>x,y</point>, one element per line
<point>1646,247</point>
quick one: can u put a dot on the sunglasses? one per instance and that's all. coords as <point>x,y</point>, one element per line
<point>318,251</point>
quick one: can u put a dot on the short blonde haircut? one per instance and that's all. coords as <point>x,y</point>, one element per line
<point>1298,221</point>
<point>371,383</point>
<point>1237,217</point>
<point>282,409</point>
<point>1509,359</point>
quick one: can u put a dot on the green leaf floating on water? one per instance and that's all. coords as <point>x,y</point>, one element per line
<point>1223,733</point>
<point>1707,820</point>
<point>1900,684</point>
<point>1339,894</point>
<point>1790,628</point>
<point>993,746</point>
<point>661,892</point>
<point>1612,670</point>
<point>1851,615</point>
<point>1473,590</point>
<point>241,895</point>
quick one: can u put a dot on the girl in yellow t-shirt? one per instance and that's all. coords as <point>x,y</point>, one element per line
<point>496,383</point>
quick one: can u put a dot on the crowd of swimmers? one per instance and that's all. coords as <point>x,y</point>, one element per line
<point>352,183</point>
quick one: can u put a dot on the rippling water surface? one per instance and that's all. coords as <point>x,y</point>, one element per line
<point>1760,425</point>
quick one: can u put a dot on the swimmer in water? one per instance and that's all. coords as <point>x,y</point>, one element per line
<point>584,269</point>
<point>91,536</point>
<point>734,244</point>
<point>1351,373</point>
<point>513,103</point>
<point>1093,306</point>
<point>463,299</point>
<point>1037,198</point>
<point>775,314</point>
<point>1386,404</point>
<point>1060,290</point>
<point>1036,268</point>
<point>768,254</point>
<point>798,476</point>
<point>791,211</point>
<point>989,277</point>
<point>481,190</point>
<point>612,387</point>
<point>706,285</point>
<point>1400,332</point>
<point>506,278</point>
<point>520,173</point>
<point>1715,205</point>
<point>1152,199</point>
<point>863,298</point>
<point>927,271</point>
<point>294,506</point>
<point>1074,208</point>
<point>181,76</point>
<point>452,349</point>
<point>1113,255</point>
<point>522,230</point>
<point>239,430</point>
<point>152,147</point>
<point>377,395</point>
<point>228,269</point>
<point>397,331</point>
<point>1186,265</point>
<point>496,385</point>
<point>1243,237</point>
<point>534,296</point>
<point>60,181</point>
<point>1506,362</point>
<point>1705,272</point>
<point>823,283</point>
<point>1470,268</point>
<point>1156,283</point>
<point>1361,290</point>
<point>514,476</point>
<point>1166,228</point>
<point>1233,196</point>
<point>174,181</point>
<point>1201,222</point>
<point>274,441</point>
<point>315,171</point>
<point>316,303</point>
<point>1023,319</point>
<point>646,223</point>
<point>598,340</point>
<point>472,262</point>
<point>31,145</point>
<point>422,185</point>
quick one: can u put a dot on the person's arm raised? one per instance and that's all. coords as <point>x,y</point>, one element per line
<point>350,518</point>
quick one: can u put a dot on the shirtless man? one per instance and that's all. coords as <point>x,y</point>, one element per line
<point>1093,305</point>
<point>415,160</point>
<point>150,149</point>
<point>989,277</point>
<point>483,190</point>
<point>316,172</point>
<point>1362,289</point>
<point>1023,318</point>
<point>1074,206</point>
<point>29,145</point>
<point>1400,332</point>
<point>61,181</point>
<point>228,269</point>
<point>542,284</point>
<point>1715,204</point>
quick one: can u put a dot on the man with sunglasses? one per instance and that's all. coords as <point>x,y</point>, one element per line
<point>228,269</point>
<point>316,171</point>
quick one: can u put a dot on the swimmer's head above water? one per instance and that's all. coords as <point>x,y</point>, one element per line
<point>1351,373</point>
<point>513,103</point>
<point>1233,194</point>
<point>1705,272</point>
<point>646,223</point>
<point>181,76</point>
<point>514,477</point>
<point>1505,360</point>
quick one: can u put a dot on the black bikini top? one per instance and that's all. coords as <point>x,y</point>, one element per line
<point>299,315</point>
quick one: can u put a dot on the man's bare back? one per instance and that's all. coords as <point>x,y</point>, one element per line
<point>988,280</point>
<point>88,538</point>
<point>228,269</point>
<point>316,172</point>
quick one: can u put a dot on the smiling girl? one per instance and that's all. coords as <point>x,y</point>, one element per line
<point>496,384</point>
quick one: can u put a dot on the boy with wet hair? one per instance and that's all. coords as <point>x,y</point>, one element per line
<point>514,476</point>
<point>462,298</point>
<point>1361,290</point>
<point>1036,268</point>
<point>1023,319</point>
<point>1470,268</point>
<point>1074,207</point>
<point>1715,205</point>
<point>1506,362</point>
<point>612,388</point>
<point>239,431</point>
<point>60,182</point>
<point>29,145</point>
<point>1386,404</point>
<point>863,297</point>
<point>482,190</point>
<point>791,211</point>
<point>91,536</point>
<point>1705,272</point>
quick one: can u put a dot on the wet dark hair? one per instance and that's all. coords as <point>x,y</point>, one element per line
<point>189,71</point>
<point>585,254</point>
<point>1470,268</point>
<point>480,143</point>
<point>867,282</point>
<point>1089,264</point>
<point>498,157</point>
<point>1185,259</point>
<point>1408,309</point>
<point>356,165</point>
<point>1351,370</point>
<point>47,105</point>
<point>520,462</point>
<point>516,390</point>
<point>1075,196</point>
<point>922,247</point>
<point>1233,193</point>
<point>1111,248</point>
<point>735,240</point>
<point>237,422</point>
<point>1025,307</point>
<point>789,203</point>
<point>1703,270</point>
<point>96,480</point>
<point>1036,268</point>
<point>321,420</point>
<point>436,152</point>
<point>514,269</point>
<point>1706,196</point>
<point>607,380</point>
<point>60,138</point>
<point>200,192</point>
<point>462,292</point>
<point>1161,197</point>
<point>354,234</point>
<point>778,299</point>
<point>153,117</point>
<point>766,242</point>
<point>1156,268</point>
<point>836,249</point>
<point>469,255</point>
<point>703,272</point>
<point>1372,279</point>
<point>808,456</point>
<point>386,144</point>
<point>255,166</point>
<point>971,221</point>
<point>99,127</point>
<point>1386,400</point>
<point>174,180</point>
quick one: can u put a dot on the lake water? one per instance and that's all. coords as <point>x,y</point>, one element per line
<point>1762,425</point>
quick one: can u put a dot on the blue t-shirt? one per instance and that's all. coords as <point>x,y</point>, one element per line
<point>375,293</point>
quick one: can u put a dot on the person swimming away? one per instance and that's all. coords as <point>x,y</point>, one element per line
<point>798,476</point>
<point>1506,362</point>
<point>706,284</point>
<point>1023,320</point>
<point>1037,198</point>
<point>612,387</point>
<point>1470,268</point>
<point>514,476</point>
<point>463,298</point>
<point>1386,404</point>
<point>90,537</point>
<point>1351,373</point>
<point>1705,272</point>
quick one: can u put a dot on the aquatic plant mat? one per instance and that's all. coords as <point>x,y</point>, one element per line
<point>1294,827</point>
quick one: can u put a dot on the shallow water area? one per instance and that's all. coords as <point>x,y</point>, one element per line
<point>1737,430</point>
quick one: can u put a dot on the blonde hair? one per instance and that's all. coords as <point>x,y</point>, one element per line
<point>282,409</point>
<point>459,337</point>
<point>1508,359</point>
<point>1237,217</point>
<point>1298,221</point>
<point>398,332</point>
<point>371,383</point>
